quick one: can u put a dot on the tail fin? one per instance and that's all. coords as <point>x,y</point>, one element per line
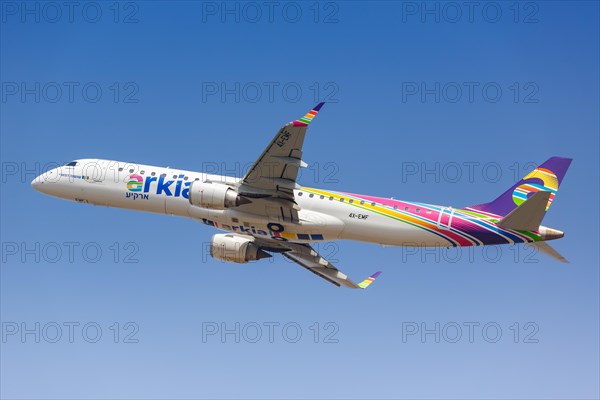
<point>546,177</point>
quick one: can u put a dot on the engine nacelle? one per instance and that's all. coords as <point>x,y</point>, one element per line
<point>234,248</point>
<point>215,196</point>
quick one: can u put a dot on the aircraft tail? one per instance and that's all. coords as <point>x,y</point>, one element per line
<point>528,216</point>
<point>547,177</point>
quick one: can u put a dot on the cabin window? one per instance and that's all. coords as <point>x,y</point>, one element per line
<point>120,169</point>
<point>235,220</point>
<point>331,198</point>
<point>362,202</point>
<point>418,210</point>
<point>131,170</point>
<point>174,176</point>
<point>321,197</point>
<point>142,172</point>
<point>311,195</point>
<point>185,178</point>
<point>299,193</point>
<point>153,173</point>
<point>405,208</point>
<point>373,204</point>
<point>342,199</point>
<point>163,175</point>
<point>197,179</point>
<point>428,212</point>
<point>351,201</point>
<point>395,207</point>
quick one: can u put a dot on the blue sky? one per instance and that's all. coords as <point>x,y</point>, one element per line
<point>443,105</point>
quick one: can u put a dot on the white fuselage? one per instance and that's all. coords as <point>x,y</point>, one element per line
<point>164,190</point>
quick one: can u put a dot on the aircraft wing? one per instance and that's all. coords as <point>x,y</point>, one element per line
<point>305,256</point>
<point>273,176</point>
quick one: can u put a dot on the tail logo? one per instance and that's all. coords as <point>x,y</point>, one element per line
<point>549,184</point>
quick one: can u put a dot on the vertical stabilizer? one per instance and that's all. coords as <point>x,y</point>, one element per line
<point>547,177</point>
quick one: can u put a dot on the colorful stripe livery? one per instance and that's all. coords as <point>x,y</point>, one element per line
<point>458,227</point>
<point>304,121</point>
<point>547,177</point>
<point>364,284</point>
<point>521,193</point>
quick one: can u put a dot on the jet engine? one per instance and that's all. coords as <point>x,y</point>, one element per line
<point>216,196</point>
<point>235,248</point>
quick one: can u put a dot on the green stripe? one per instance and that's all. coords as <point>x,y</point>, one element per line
<point>536,238</point>
<point>478,215</point>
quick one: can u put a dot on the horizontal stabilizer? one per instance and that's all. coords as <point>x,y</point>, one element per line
<point>528,216</point>
<point>548,250</point>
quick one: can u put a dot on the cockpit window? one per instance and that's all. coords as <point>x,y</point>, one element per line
<point>71,164</point>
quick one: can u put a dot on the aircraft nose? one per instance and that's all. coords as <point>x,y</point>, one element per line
<point>44,182</point>
<point>37,183</point>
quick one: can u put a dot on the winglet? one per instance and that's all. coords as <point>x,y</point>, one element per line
<point>304,121</point>
<point>364,284</point>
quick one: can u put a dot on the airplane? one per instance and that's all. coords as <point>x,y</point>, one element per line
<point>266,211</point>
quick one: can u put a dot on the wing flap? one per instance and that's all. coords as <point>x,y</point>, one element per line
<point>318,273</point>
